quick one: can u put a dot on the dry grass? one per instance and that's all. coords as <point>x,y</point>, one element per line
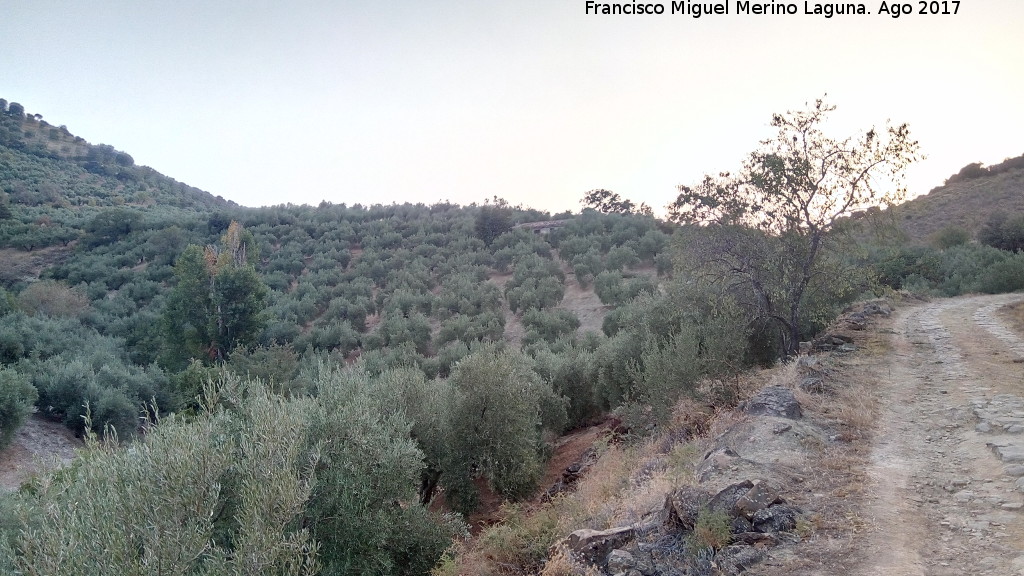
<point>629,481</point>
<point>966,204</point>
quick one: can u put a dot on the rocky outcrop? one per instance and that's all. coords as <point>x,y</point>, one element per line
<point>773,401</point>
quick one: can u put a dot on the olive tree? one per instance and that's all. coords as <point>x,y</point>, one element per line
<point>770,225</point>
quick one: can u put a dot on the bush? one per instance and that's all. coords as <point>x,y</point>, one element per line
<point>17,398</point>
<point>548,325</point>
<point>1005,276</point>
<point>500,407</point>
<point>164,501</point>
<point>362,510</point>
<point>949,237</point>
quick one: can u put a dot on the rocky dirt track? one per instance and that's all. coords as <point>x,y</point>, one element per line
<point>945,492</point>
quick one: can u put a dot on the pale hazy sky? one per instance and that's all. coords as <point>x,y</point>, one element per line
<point>532,100</point>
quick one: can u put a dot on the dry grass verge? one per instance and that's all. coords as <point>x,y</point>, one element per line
<point>629,481</point>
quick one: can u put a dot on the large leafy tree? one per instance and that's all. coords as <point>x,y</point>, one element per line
<point>218,302</point>
<point>771,227</point>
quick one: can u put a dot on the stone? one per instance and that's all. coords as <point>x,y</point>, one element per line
<point>778,518</point>
<point>739,525</point>
<point>1010,453</point>
<point>725,500</point>
<point>774,401</point>
<point>755,538</point>
<point>814,383</point>
<point>1014,470</point>
<point>683,505</point>
<point>757,498</point>
<point>983,427</point>
<point>738,559</point>
<point>594,545</point>
<point>620,561</point>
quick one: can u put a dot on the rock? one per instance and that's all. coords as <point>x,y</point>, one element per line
<point>807,362</point>
<point>778,518</point>
<point>1014,470</point>
<point>814,383</point>
<point>683,505</point>
<point>716,460</point>
<point>856,322</point>
<point>725,500</point>
<point>739,524</point>
<point>983,427</point>
<point>734,560</point>
<point>757,498</point>
<point>620,561</point>
<point>754,538</point>
<point>774,401</point>
<point>1008,452</point>
<point>594,545</point>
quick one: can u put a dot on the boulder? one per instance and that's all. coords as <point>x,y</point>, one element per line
<point>761,496</point>
<point>738,559</point>
<point>725,500</point>
<point>774,401</point>
<point>683,505</point>
<point>593,546</point>
<point>813,383</point>
<point>777,518</point>
<point>620,561</point>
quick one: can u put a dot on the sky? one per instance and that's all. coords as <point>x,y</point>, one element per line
<point>534,101</point>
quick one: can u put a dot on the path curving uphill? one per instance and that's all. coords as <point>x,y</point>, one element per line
<point>946,471</point>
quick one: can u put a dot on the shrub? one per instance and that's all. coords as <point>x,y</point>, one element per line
<point>500,408</point>
<point>549,325</point>
<point>711,530</point>
<point>949,237</point>
<point>162,501</point>
<point>52,299</point>
<point>17,397</point>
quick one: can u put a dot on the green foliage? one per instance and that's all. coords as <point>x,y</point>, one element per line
<point>548,325</point>
<point>572,374</point>
<point>17,396</point>
<point>949,237</point>
<point>159,503</point>
<point>276,365</point>
<point>217,304</point>
<point>614,289</point>
<point>958,270</point>
<point>111,225</point>
<point>1004,231</point>
<point>536,283</point>
<point>493,221</point>
<point>500,407</point>
<point>52,299</point>
<point>773,223</point>
<point>363,509</point>
<point>711,530</point>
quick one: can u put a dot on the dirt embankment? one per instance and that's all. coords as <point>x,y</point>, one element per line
<point>38,445</point>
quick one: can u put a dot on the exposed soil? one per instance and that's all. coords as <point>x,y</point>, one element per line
<point>39,444</point>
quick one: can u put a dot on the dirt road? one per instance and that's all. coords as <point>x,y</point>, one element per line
<point>945,493</point>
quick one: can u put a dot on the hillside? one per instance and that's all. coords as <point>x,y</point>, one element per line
<point>374,376</point>
<point>967,200</point>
